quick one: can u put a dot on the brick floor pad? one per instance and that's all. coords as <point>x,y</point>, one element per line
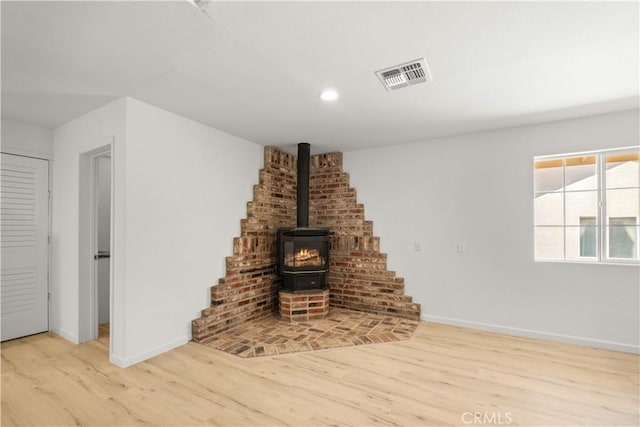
<point>343,328</point>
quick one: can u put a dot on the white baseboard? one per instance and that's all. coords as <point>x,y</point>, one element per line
<point>127,361</point>
<point>66,335</point>
<point>529,333</point>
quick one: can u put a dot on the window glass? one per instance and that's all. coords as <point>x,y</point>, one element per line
<point>622,171</point>
<point>548,175</point>
<point>623,202</point>
<point>549,209</point>
<point>623,237</point>
<point>580,204</point>
<point>588,237</point>
<point>580,173</point>
<point>549,243</point>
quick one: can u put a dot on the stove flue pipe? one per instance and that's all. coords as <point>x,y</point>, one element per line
<point>304,160</point>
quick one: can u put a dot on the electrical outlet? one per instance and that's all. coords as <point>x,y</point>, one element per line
<point>417,247</point>
<point>460,248</point>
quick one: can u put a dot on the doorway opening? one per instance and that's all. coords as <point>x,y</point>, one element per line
<point>95,234</point>
<point>102,255</point>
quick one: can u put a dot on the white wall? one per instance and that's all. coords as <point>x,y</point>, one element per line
<point>26,139</point>
<point>86,133</point>
<point>477,190</point>
<point>187,188</point>
<point>180,190</point>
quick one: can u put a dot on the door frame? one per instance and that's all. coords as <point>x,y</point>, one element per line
<point>88,245</point>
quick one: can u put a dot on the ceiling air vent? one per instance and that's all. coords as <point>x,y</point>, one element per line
<point>403,75</point>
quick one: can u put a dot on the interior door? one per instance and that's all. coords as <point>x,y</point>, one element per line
<point>24,208</point>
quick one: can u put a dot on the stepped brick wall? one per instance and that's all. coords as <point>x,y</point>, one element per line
<point>358,278</point>
<point>358,275</point>
<point>250,288</point>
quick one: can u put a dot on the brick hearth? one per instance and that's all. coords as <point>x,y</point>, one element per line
<point>303,306</point>
<point>358,277</point>
<point>343,328</point>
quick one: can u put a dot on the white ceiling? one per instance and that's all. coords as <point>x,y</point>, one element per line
<point>255,69</point>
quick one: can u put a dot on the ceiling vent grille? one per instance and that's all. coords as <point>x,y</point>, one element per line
<point>403,75</point>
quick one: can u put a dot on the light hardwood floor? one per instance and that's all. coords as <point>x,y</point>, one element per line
<point>443,376</point>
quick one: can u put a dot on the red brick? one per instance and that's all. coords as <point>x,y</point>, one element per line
<point>359,279</point>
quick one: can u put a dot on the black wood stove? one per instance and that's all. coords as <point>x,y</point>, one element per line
<point>303,251</point>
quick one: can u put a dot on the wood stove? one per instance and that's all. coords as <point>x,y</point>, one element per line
<point>303,260</point>
<point>303,251</point>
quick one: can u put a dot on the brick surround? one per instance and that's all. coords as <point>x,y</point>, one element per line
<point>358,277</point>
<point>303,306</point>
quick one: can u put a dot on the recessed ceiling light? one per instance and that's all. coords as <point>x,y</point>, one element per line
<point>329,95</point>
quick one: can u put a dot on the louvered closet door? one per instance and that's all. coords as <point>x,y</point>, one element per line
<point>24,205</point>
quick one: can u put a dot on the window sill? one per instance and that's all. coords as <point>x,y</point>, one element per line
<point>623,264</point>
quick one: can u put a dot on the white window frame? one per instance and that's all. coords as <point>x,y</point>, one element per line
<point>602,230</point>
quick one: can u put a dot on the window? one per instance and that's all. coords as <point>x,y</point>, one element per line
<point>587,206</point>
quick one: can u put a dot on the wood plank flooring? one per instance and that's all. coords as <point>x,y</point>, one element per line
<point>444,375</point>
